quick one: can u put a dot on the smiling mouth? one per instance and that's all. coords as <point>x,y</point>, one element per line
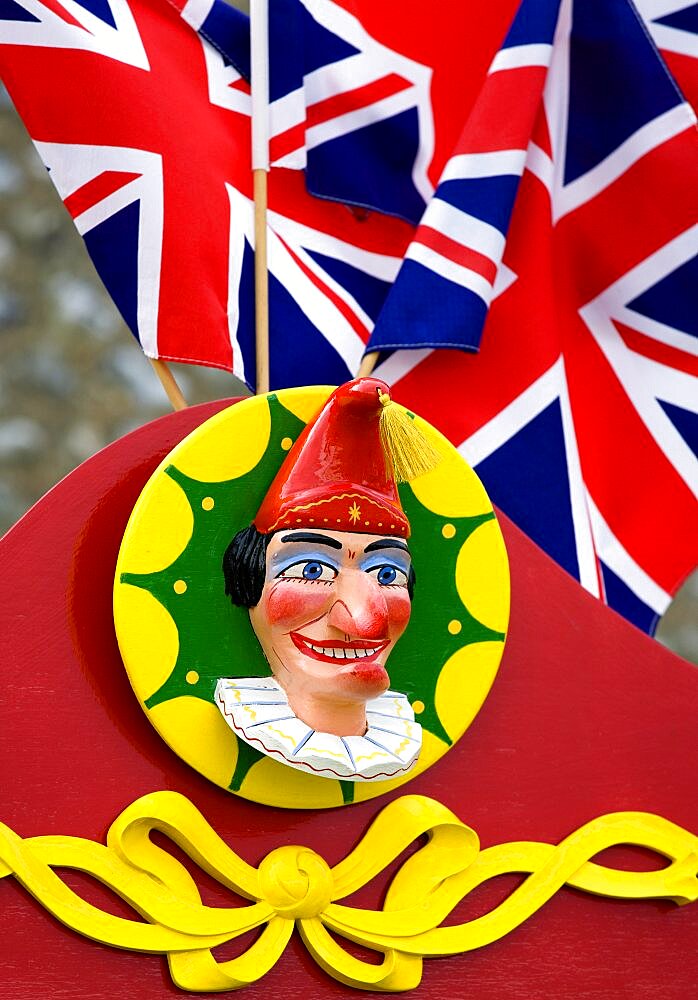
<point>336,651</point>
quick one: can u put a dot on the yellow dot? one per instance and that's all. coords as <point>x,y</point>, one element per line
<point>192,677</point>
<point>417,707</point>
<point>208,503</point>
<point>454,627</point>
<point>448,530</point>
<point>367,522</point>
<point>179,586</point>
<point>286,443</point>
<point>380,524</point>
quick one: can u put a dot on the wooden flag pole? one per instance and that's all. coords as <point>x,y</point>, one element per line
<point>368,363</point>
<point>259,41</point>
<point>169,384</point>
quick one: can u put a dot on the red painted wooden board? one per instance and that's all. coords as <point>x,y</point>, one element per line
<point>586,716</point>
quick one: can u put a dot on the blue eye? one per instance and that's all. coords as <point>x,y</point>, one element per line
<point>309,569</point>
<point>389,576</point>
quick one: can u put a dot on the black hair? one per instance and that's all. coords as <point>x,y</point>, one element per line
<point>245,568</point>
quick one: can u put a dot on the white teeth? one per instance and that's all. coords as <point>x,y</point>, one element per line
<point>340,653</point>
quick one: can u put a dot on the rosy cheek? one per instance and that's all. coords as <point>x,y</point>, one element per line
<point>295,603</point>
<point>399,608</point>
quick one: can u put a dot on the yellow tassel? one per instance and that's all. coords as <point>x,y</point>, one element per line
<point>409,451</point>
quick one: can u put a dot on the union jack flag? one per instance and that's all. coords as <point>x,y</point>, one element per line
<point>453,266</point>
<point>353,113</point>
<point>145,129</point>
<point>673,25</point>
<point>580,412</point>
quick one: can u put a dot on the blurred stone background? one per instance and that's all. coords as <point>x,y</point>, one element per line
<point>72,378</point>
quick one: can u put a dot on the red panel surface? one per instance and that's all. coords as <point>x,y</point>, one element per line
<point>586,716</point>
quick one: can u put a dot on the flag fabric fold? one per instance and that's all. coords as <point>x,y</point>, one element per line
<point>145,128</point>
<point>453,266</point>
<point>580,413</point>
<point>351,112</point>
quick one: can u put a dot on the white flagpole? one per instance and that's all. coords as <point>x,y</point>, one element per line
<point>259,40</point>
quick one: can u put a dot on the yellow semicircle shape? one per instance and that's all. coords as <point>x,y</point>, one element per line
<point>198,733</point>
<point>228,445</point>
<point>305,403</point>
<point>145,547</point>
<point>482,576</point>
<point>148,638</point>
<point>451,489</point>
<point>463,684</point>
<point>276,784</point>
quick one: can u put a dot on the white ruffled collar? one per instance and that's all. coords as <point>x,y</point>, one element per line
<point>257,709</point>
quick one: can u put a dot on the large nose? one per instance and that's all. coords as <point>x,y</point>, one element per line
<point>360,609</point>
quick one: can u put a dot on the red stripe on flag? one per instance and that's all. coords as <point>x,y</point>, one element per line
<point>352,100</point>
<point>504,115</point>
<point>339,303</point>
<point>287,142</point>
<point>240,84</point>
<point>653,349</point>
<point>608,235</point>
<point>333,107</point>
<point>59,10</point>
<point>456,252</point>
<point>96,190</point>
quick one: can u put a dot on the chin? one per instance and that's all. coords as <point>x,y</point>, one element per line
<point>370,679</point>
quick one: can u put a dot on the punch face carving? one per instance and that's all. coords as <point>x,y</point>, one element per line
<point>327,574</point>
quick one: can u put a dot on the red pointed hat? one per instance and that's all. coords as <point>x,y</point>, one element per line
<point>337,474</point>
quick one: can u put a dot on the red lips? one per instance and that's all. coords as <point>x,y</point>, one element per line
<point>357,652</point>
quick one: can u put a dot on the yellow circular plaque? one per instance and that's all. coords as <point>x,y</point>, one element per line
<point>179,634</point>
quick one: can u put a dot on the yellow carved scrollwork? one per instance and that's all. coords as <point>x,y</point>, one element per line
<point>294,886</point>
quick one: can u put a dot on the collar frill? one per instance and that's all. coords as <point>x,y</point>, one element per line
<point>257,710</point>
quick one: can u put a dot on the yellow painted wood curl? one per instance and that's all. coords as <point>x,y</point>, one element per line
<point>295,886</point>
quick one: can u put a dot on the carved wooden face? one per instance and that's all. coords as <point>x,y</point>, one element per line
<point>333,606</point>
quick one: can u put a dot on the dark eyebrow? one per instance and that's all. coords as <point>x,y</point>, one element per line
<point>386,543</point>
<point>308,536</point>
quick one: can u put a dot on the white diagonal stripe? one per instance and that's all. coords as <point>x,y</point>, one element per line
<point>647,138</point>
<point>195,12</point>
<point>448,269</point>
<point>619,560</point>
<point>466,165</point>
<point>464,228</point>
<point>497,431</point>
<point>339,125</point>
<point>519,56</point>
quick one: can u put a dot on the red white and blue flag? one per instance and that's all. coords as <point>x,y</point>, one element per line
<point>453,266</point>
<point>580,413</point>
<point>354,114</point>
<point>577,411</point>
<point>145,129</point>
